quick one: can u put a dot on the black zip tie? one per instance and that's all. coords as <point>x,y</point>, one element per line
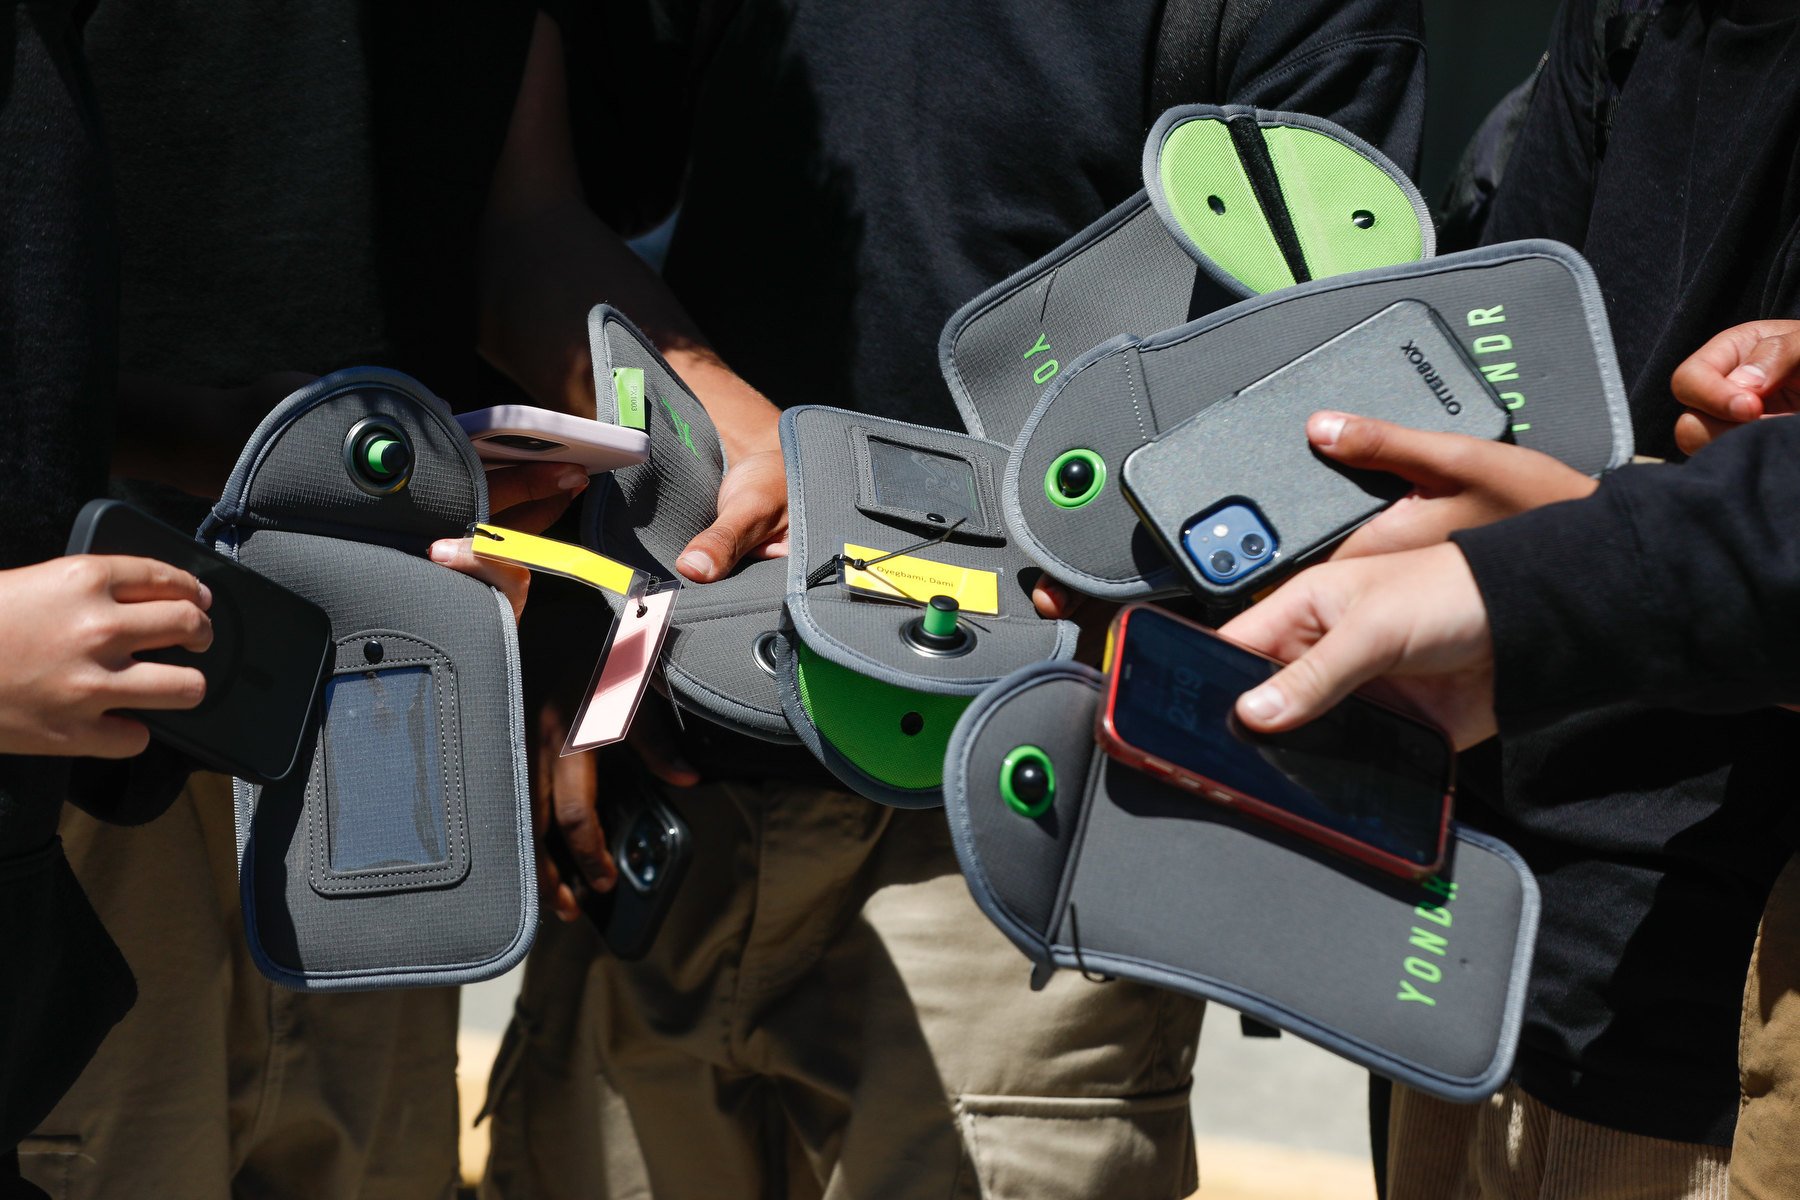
<point>1075,945</point>
<point>478,531</point>
<point>824,571</point>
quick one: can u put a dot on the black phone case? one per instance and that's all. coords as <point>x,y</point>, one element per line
<point>257,719</point>
<point>628,919</point>
<point>1401,365</point>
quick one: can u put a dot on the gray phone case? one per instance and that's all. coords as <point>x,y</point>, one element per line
<point>1126,875</point>
<point>401,857</point>
<point>1401,365</point>
<point>1529,314</point>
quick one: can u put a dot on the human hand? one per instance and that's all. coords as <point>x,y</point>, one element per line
<point>564,798</point>
<point>752,519</point>
<point>459,554</point>
<point>1415,620</point>
<point>1741,375</point>
<point>1460,482</point>
<point>531,497</point>
<point>73,626</point>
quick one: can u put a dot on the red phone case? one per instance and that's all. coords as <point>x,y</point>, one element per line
<point>1107,737</point>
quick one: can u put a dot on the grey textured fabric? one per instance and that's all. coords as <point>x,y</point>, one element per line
<point>1529,314</point>
<point>1400,365</point>
<point>880,484</point>
<point>1423,984</point>
<point>1134,271</point>
<point>402,857</point>
<point>646,514</point>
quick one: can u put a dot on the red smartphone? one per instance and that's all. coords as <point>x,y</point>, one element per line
<point>1364,780</point>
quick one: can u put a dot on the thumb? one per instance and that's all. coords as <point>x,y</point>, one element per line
<point>714,551</point>
<point>1308,687</point>
<point>1769,364</point>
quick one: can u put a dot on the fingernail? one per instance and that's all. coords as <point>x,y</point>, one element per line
<point>1325,427</point>
<point>443,552</point>
<point>1745,407</point>
<point>205,596</point>
<point>1749,375</point>
<point>695,562</point>
<point>572,480</point>
<point>1265,703</point>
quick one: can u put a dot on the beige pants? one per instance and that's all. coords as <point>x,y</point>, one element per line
<point>1765,1155</point>
<point>1513,1148</point>
<point>218,1084</point>
<point>827,1013</point>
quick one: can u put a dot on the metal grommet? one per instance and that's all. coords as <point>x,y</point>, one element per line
<point>1362,218</point>
<point>938,633</point>
<point>763,650</point>
<point>373,651</point>
<point>911,723</point>
<point>1075,477</point>
<point>1028,781</point>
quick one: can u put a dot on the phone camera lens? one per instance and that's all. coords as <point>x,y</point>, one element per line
<point>1223,562</point>
<point>1254,545</point>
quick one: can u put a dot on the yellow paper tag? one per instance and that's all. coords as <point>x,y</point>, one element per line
<point>558,558</point>
<point>909,577</point>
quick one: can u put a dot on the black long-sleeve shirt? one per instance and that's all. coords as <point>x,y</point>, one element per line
<point>1675,586</point>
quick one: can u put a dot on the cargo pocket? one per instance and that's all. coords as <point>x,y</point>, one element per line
<point>1056,1148</point>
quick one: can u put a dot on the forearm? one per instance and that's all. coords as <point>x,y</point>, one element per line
<point>1671,585</point>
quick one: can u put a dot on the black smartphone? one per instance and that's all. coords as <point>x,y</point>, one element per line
<point>267,664</point>
<point>651,846</point>
<point>1363,779</point>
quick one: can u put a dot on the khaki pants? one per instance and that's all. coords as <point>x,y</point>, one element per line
<point>218,1084</point>
<point>1511,1147</point>
<point>1765,1155</point>
<point>826,1013</point>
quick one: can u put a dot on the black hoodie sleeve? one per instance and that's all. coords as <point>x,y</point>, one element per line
<point>1676,586</point>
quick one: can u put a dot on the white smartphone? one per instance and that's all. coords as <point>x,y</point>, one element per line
<point>510,433</point>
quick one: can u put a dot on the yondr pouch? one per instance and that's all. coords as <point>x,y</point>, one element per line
<point>1238,201</point>
<point>1528,314</point>
<point>402,856</point>
<point>1118,873</point>
<point>1240,476</point>
<point>865,686</point>
<point>718,658</point>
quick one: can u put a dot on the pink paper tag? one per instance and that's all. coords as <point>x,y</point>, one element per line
<point>624,672</point>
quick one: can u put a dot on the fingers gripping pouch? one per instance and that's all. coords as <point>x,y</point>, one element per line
<point>1108,870</point>
<point>402,856</point>
<point>1527,315</point>
<point>873,680</point>
<point>716,659</point>
<point>1238,201</point>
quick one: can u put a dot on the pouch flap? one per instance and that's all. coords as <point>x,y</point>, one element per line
<point>1529,314</point>
<point>646,515</point>
<point>1127,876</point>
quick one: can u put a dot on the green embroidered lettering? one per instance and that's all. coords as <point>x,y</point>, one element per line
<point>1437,885</point>
<point>682,429</point>
<point>1521,427</point>
<point>1493,343</point>
<point>1409,992</point>
<point>1433,912</point>
<point>1514,400</point>
<point>1420,968</point>
<point>1046,371</point>
<point>1428,941</point>
<point>1487,316</point>
<point>1500,372</point>
<point>1043,344</point>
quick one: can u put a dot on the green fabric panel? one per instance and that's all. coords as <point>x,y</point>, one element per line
<point>861,719</point>
<point>1197,163</point>
<point>1324,182</point>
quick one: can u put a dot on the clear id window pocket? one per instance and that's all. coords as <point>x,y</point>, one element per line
<point>385,800</point>
<point>928,487</point>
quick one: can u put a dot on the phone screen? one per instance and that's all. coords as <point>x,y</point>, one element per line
<point>1360,770</point>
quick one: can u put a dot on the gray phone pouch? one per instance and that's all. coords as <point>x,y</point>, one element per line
<point>865,683</point>
<point>718,659</point>
<point>1118,873</point>
<point>1237,201</point>
<point>402,857</point>
<point>1247,460</point>
<point>1529,315</point>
